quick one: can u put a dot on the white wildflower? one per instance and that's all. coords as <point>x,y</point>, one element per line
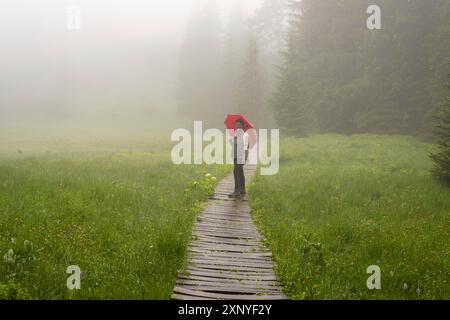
<point>9,257</point>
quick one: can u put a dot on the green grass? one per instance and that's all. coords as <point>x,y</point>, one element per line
<point>122,212</point>
<point>340,204</point>
<point>117,208</point>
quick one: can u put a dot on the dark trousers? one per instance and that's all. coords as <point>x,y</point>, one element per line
<point>239,178</point>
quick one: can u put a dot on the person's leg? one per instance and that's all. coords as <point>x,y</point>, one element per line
<point>236,178</point>
<point>243,191</point>
<point>241,179</point>
<point>236,181</point>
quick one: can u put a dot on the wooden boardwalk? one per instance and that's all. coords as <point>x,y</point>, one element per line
<point>226,257</point>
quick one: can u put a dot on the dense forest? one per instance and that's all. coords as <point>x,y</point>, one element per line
<point>314,66</point>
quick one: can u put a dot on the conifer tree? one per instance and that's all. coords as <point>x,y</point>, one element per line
<point>441,157</point>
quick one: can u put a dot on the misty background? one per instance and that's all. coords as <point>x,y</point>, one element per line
<point>120,68</point>
<point>303,66</point>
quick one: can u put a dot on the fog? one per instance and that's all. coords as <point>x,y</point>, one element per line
<point>313,66</point>
<point>120,67</point>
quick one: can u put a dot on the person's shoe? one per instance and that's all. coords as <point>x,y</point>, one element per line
<point>241,195</point>
<point>233,195</point>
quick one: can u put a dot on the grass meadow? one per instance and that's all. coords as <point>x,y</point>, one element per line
<point>120,210</point>
<point>340,204</point>
<point>117,208</point>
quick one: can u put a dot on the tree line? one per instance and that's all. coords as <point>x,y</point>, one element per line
<point>313,66</point>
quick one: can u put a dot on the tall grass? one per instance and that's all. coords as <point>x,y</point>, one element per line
<point>118,209</point>
<point>340,204</point>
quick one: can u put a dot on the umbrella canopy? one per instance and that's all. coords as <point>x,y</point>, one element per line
<point>230,122</point>
<point>231,119</point>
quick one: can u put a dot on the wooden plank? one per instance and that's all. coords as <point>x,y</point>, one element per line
<point>222,204</point>
<point>228,226</point>
<point>270,285</point>
<point>223,296</point>
<point>231,268</point>
<point>227,240</point>
<point>230,272</point>
<point>228,262</point>
<point>230,221</point>
<point>219,238</point>
<point>231,256</point>
<point>226,198</point>
<point>226,229</point>
<point>207,251</point>
<point>261,253</point>
<point>222,219</point>
<point>221,249</point>
<point>228,207</point>
<point>177,296</point>
<point>230,232</point>
<point>225,235</point>
<point>235,218</point>
<point>240,257</point>
<point>230,275</point>
<point>220,280</point>
<point>229,289</point>
<point>218,242</point>
<point>225,247</point>
<point>228,210</point>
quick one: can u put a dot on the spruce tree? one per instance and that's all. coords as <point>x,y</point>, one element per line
<point>441,157</point>
<point>251,85</point>
<point>293,116</point>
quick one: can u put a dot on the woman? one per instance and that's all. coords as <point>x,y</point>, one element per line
<point>240,156</point>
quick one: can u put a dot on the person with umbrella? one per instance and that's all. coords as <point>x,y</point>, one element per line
<point>239,124</point>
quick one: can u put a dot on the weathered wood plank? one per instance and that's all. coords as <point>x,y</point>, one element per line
<point>235,281</point>
<point>207,251</point>
<point>231,268</point>
<point>224,219</point>
<point>227,226</point>
<point>228,262</point>
<point>177,296</point>
<point>218,242</point>
<point>230,275</point>
<point>226,230</point>
<point>240,257</point>
<point>225,235</point>
<point>223,296</point>
<point>229,289</point>
<point>223,248</point>
<point>244,242</point>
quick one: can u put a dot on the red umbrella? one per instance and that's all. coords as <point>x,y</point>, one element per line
<point>230,123</point>
<point>231,119</point>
